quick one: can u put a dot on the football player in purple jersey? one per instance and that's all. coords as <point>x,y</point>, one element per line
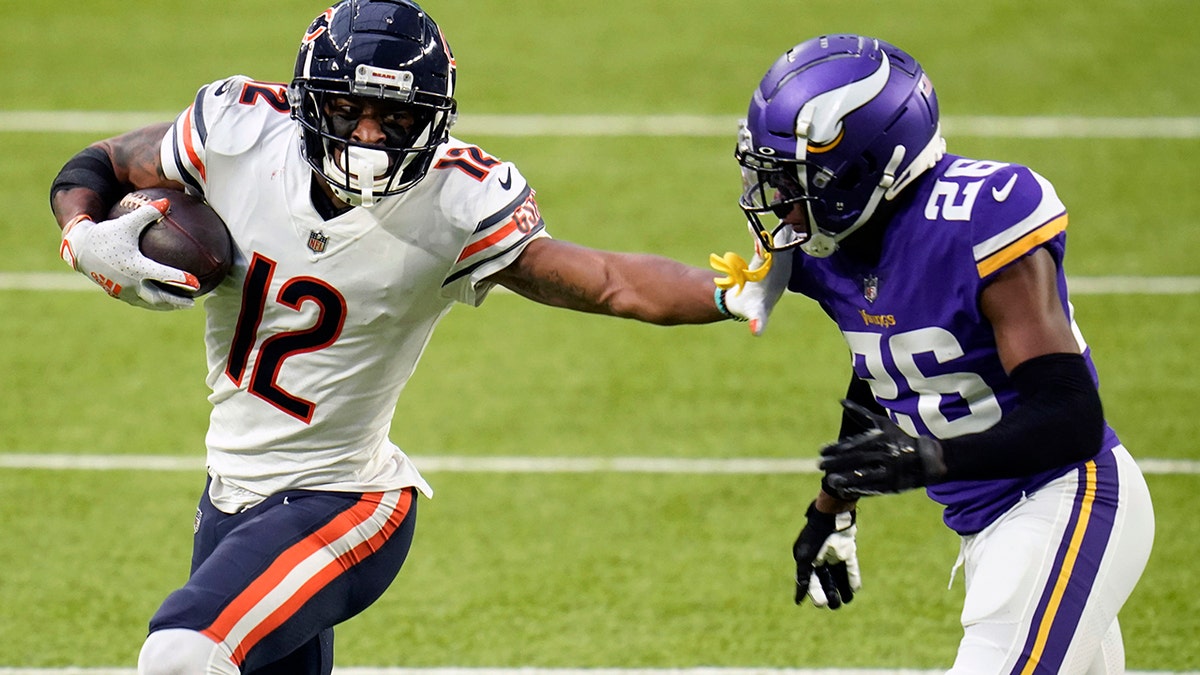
<point>357,221</point>
<point>969,375</point>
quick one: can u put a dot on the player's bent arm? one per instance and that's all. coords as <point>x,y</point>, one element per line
<point>1026,313</point>
<point>1059,419</point>
<point>108,251</point>
<point>644,287</point>
<point>99,175</point>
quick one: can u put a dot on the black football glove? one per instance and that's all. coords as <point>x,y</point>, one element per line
<point>884,459</point>
<point>827,558</point>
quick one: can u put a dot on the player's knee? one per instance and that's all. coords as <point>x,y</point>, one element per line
<point>178,651</point>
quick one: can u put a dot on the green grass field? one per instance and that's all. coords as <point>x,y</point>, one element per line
<point>605,569</point>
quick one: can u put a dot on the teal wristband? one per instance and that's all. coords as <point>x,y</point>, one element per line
<point>719,300</point>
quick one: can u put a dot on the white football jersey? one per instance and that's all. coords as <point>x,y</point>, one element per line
<point>315,332</point>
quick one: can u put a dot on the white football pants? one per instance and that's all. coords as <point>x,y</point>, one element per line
<point>1045,581</point>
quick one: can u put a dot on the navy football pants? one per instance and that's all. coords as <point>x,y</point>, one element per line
<point>270,583</point>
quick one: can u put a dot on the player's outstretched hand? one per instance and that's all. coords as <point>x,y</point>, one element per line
<point>107,253</point>
<point>827,558</point>
<point>749,291</point>
<point>884,459</point>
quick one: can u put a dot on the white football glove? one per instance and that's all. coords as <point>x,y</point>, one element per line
<point>749,291</point>
<point>107,253</point>
<point>827,559</point>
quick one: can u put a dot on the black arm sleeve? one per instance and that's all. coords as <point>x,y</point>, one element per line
<point>859,392</point>
<point>91,169</point>
<point>1059,421</point>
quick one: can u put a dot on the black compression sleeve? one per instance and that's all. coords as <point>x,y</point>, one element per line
<point>1058,421</point>
<point>859,392</point>
<point>91,169</point>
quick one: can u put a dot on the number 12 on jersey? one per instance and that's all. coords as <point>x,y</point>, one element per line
<point>274,350</point>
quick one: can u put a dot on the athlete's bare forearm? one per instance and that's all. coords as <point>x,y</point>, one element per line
<point>645,287</point>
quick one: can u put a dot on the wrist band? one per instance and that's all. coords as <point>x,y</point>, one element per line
<point>91,169</point>
<point>719,300</point>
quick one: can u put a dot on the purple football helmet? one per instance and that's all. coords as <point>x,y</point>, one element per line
<point>839,123</point>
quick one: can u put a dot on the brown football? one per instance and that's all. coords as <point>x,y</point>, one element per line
<point>190,237</point>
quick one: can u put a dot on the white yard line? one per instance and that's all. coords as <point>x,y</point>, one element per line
<point>986,126</point>
<point>565,671</point>
<point>1124,285</point>
<point>44,281</point>
<point>1133,285</point>
<point>465,464</point>
<point>18,121</point>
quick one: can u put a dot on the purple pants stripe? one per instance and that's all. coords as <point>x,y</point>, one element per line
<point>1076,565</point>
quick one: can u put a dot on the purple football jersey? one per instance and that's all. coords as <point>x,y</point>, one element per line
<point>913,321</point>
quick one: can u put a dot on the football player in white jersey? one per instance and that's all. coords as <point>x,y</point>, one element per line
<point>969,375</point>
<point>357,221</point>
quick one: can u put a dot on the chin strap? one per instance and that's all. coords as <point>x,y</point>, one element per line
<point>360,179</point>
<point>822,245</point>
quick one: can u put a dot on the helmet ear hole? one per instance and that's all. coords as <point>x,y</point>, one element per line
<point>848,179</point>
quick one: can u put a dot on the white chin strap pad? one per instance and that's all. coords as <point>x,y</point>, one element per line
<point>363,171</point>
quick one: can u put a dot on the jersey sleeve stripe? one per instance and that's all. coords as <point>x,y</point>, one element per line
<point>463,271</point>
<point>1021,246</point>
<point>496,227</point>
<point>189,133</point>
<point>1049,207</point>
<point>505,212</point>
<point>175,166</point>
<point>180,158</point>
<point>1048,218</point>
<point>198,115</point>
<point>189,144</point>
<point>480,244</point>
<point>498,235</point>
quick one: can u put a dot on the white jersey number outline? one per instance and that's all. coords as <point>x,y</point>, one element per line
<point>945,199</point>
<point>902,348</point>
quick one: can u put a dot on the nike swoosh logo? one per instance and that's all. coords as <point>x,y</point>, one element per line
<point>1002,193</point>
<point>506,182</point>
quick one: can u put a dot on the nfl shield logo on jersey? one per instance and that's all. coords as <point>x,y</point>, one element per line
<point>317,241</point>
<point>871,287</point>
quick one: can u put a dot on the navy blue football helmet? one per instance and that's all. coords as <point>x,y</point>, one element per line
<point>392,53</point>
<point>838,124</point>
